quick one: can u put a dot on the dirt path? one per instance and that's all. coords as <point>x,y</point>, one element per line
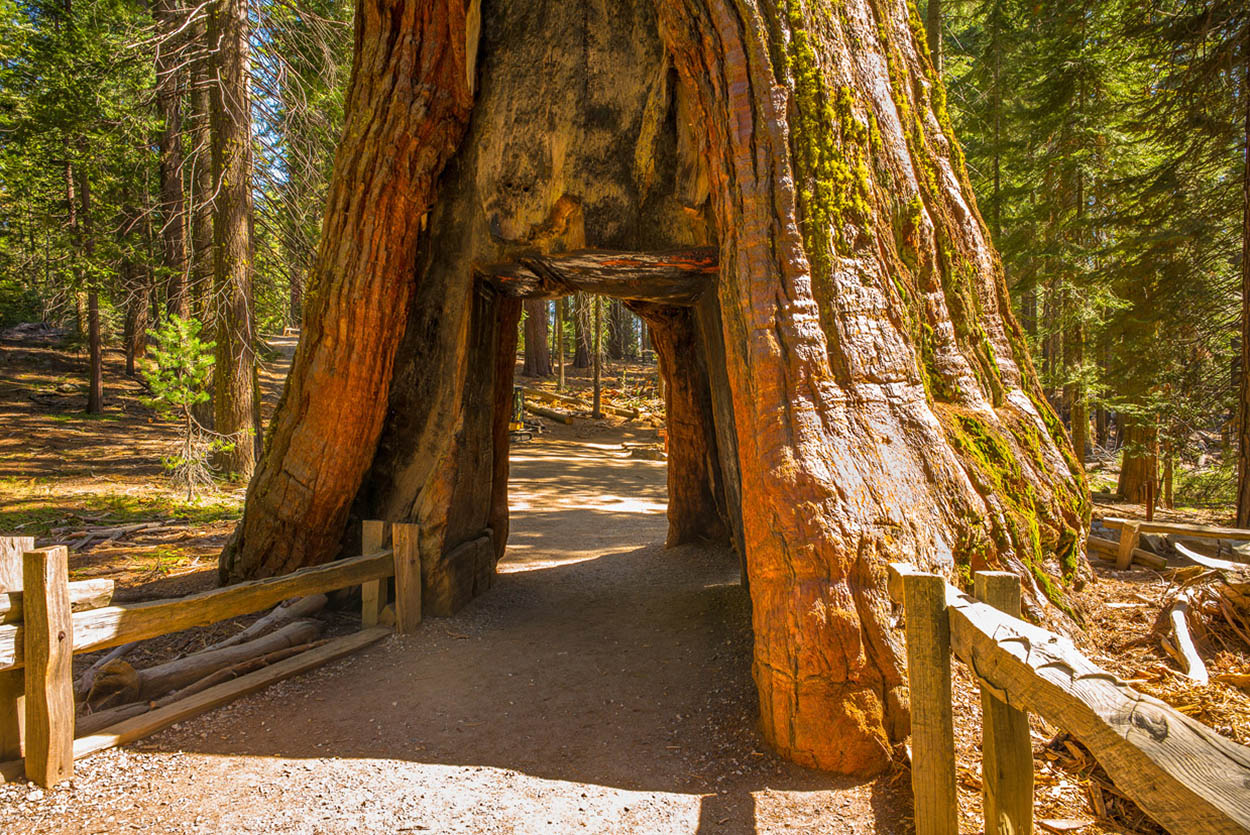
<point>602,686</point>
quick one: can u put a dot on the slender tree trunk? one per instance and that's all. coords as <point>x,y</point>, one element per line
<point>1243,401</point>
<point>169,89</point>
<point>581,331</point>
<point>407,108</point>
<point>1139,465</point>
<point>933,33</point>
<point>202,190</point>
<point>95,348</point>
<point>596,411</point>
<point>560,307</point>
<point>234,373</point>
<point>537,355</point>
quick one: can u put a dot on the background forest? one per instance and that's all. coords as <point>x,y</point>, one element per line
<point>172,159</point>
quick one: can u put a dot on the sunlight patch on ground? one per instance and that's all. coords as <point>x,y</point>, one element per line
<point>390,795</point>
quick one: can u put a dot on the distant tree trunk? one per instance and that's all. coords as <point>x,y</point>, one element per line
<point>405,115</point>
<point>596,358</point>
<point>537,353</point>
<point>581,331</point>
<point>95,348</point>
<point>136,323</point>
<point>235,395</point>
<point>933,33</point>
<point>1243,401</point>
<point>1139,466</point>
<point>560,308</point>
<point>616,329</point>
<point>202,189</point>
<point>169,88</point>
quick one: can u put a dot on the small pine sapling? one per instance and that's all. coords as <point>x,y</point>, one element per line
<point>177,371</point>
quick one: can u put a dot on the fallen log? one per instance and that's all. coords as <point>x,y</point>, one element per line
<point>83,595</point>
<point>85,682</point>
<point>120,683</point>
<point>559,417</point>
<point>100,719</point>
<point>290,610</point>
<point>160,718</point>
<point>632,414</point>
<point>1182,647</point>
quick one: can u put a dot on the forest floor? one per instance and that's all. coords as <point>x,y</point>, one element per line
<point>603,685</point>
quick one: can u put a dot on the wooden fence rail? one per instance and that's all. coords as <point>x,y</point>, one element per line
<point>1180,772</point>
<point>35,654</point>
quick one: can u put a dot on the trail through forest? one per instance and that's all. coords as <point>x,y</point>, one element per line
<point>603,686</point>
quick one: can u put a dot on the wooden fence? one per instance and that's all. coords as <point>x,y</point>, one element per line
<point>1180,772</point>
<point>37,646</point>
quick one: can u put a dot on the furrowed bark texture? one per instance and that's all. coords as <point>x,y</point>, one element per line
<point>696,496</point>
<point>883,399</point>
<point>407,108</point>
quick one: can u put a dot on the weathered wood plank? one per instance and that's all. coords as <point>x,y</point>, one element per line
<point>676,277</point>
<point>1007,751</point>
<point>407,577</point>
<point>49,674</point>
<point>932,722</point>
<point>1208,531</point>
<point>84,595</point>
<point>114,625</point>
<point>372,592</point>
<point>11,550</point>
<point>12,705</point>
<point>1128,543</point>
<point>1180,772</point>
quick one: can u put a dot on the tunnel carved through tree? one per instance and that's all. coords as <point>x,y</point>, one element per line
<point>854,386</point>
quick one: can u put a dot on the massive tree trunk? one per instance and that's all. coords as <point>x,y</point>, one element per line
<point>883,396</point>
<point>861,388</point>
<point>406,110</point>
<point>235,394</point>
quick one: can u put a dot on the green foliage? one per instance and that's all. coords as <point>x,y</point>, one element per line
<point>177,375</point>
<point>1105,141</point>
<point>178,368</point>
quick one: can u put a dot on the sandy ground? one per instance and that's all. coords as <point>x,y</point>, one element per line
<point>603,685</point>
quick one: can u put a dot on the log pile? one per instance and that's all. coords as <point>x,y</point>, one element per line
<point>1209,604</point>
<point>113,690</point>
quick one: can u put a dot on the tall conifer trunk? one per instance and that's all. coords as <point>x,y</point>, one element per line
<point>235,395</point>
<point>169,92</point>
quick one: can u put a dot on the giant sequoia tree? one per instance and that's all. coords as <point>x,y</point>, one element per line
<point>776,187</point>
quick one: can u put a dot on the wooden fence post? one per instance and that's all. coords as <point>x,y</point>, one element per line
<point>1007,751</point>
<point>407,576</point>
<point>12,682</point>
<point>49,629</point>
<point>373,593</point>
<point>932,722</point>
<point>1128,541</point>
